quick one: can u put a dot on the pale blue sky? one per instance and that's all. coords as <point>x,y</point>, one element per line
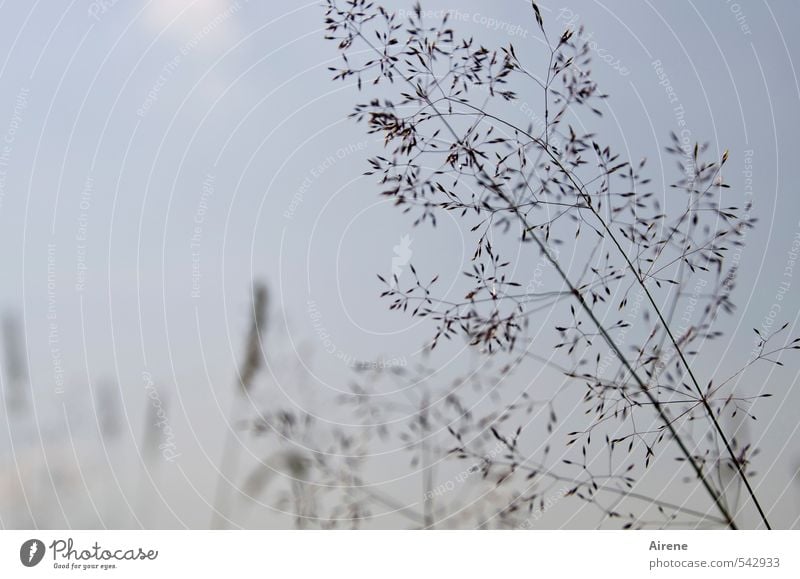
<point>115,116</point>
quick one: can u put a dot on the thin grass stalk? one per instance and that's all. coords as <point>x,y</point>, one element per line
<point>253,361</point>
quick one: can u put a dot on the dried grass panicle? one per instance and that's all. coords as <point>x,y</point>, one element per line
<point>253,357</point>
<point>453,145</point>
<point>16,371</point>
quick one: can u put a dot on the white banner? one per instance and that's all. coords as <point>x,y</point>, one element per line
<point>400,554</point>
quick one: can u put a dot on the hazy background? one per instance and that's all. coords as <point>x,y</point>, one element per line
<point>157,157</point>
